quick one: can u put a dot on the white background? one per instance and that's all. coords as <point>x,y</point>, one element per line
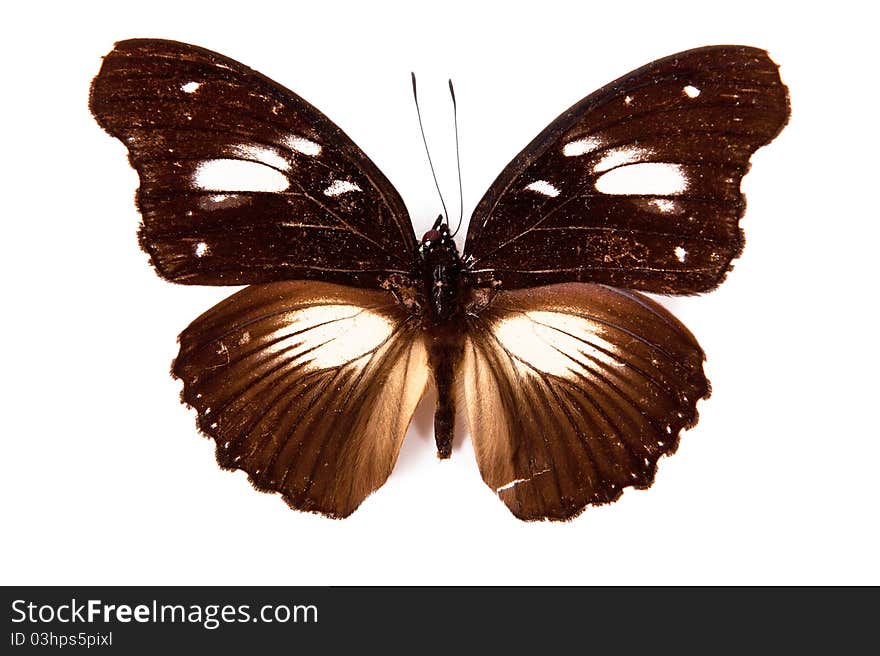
<point>104,477</point>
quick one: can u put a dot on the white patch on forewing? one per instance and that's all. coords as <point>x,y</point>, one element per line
<point>665,205</point>
<point>190,87</point>
<point>691,91</point>
<point>554,342</point>
<point>327,336</point>
<point>261,154</point>
<point>581,146</point>
<point>238,175</point>
<point>645,178</point>
<point>543,187</point>
<point>620,156</point>
<point>680,253</point>
<point>303,145</point>
<point>216,202</point>
<point>340,187</point>
<point>201,249</point>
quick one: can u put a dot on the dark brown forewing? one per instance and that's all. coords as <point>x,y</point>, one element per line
<point>208,136</point>
<point>573,393</point>
<point>686,125</point>
<point>308,387</point>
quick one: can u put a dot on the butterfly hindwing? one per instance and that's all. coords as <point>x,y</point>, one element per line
<point>308,387</point>
<point>242,181</point>
<point>573,392</point>
<point>638,184</point>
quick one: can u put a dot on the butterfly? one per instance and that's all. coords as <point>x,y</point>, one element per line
<point>573,383</point>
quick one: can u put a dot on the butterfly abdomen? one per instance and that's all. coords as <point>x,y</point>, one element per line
<point>445,348</point>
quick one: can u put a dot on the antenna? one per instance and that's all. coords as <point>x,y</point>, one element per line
<point>457,160</point>
<point>427,151</point>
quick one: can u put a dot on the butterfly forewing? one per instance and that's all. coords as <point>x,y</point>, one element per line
<point>308,387</point>
<point>638,184</point>
<point>242,181</point>
<point>573,392</point>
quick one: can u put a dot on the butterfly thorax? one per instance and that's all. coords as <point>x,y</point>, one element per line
<point>435,293</point>
<point>439,275</point>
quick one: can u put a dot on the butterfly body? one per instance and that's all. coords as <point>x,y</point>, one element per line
<point>572,382</point>
<point>443,308</point>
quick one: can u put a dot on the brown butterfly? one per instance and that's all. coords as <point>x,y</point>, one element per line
<point>574,384</point>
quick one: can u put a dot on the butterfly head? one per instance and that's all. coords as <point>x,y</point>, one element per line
<point>432,236</point>
<point>438,235</point>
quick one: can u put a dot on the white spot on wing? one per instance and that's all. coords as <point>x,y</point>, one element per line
<point>665,205</point>
<point>645,178</point>
<point>680,253</point>
<point>517,481</point>
<point>691,91</point>
<point>628,100</point>
<point>261,154</point>
<point>221,202</point>
<point>620,156</point>
<point>190,87</point>
<point>581,146</point>
<point>303,145</point>
<point>237,175</point>
<point>543,187</point>
<point>340,187</point>
<point>201,249</point>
